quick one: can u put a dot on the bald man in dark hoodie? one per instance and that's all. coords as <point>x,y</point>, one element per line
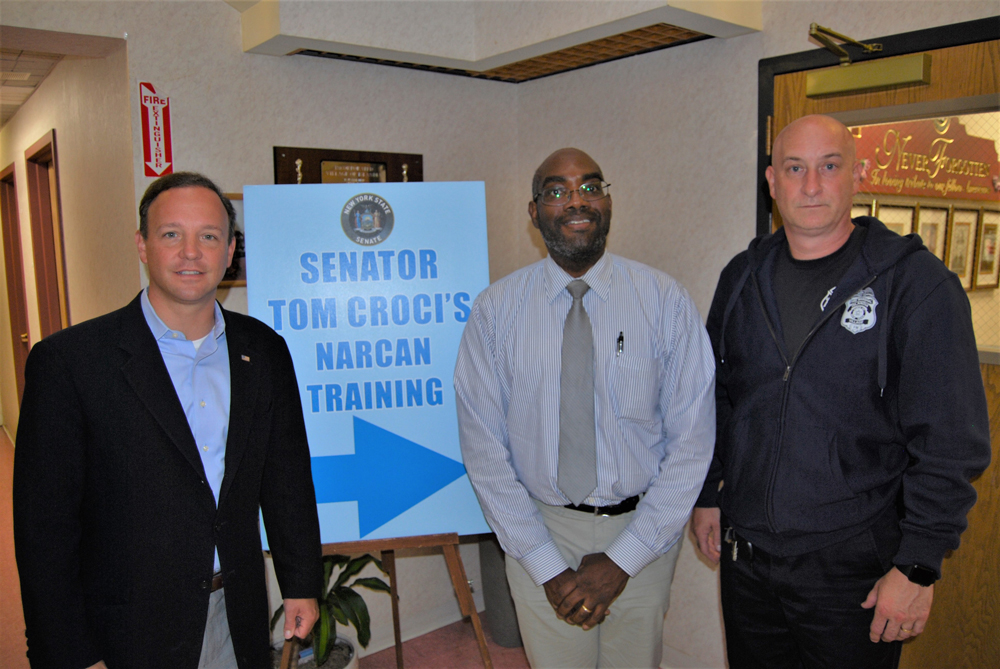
<point>851,416</point>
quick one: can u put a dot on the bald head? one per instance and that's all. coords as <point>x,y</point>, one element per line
<point>575,226</point>
<point>557,158</point>
<point>814,127</point>
<point>813,177</point>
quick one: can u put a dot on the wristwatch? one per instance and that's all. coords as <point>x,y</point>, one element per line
<point>918,574</point>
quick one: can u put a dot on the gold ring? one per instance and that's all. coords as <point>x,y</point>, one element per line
<point>585,609</point>
<point>903,629</point>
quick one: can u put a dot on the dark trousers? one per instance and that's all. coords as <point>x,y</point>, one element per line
<point>804,611</point>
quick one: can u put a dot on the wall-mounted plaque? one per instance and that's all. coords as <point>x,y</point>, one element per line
<point>937,157</point>
<point>325,166</point>
<point>987,265</point>
<point>962,244</point>
<point>343,172</point>
<point>861,210</point>
<point>933,229</point>
<point>897,219</point>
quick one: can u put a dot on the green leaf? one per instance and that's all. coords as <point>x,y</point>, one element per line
<point>352,569</point>
<point>277,616</point>
<point>337,560</point>
<point>338,613</point>
<point>336,610</point>
<point>357,610</point>
<point>321,645</point>
<point>327,570</point>
<point>372,584</point>
<point>348,601</point>
<point>378,563</point>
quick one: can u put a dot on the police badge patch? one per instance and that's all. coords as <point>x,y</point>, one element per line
<point>859,312</point>
<point>367,219</point>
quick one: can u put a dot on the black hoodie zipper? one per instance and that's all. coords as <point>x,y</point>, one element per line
<point>769,491</point>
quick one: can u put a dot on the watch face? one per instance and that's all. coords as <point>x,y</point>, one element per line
<point>919,575</point>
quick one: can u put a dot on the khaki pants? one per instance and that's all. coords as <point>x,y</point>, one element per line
<point>631,637</point>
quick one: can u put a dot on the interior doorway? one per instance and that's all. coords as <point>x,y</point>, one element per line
<point>16,300</point>
<point>46,234</point>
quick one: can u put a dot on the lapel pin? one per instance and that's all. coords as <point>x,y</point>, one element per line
<point>245,358</point>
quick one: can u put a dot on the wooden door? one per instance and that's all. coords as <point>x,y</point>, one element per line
<point>17,302</point>
<point>46,234</point>
<point>962,631</point>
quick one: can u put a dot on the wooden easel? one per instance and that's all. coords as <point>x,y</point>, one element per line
<point>387,547</point>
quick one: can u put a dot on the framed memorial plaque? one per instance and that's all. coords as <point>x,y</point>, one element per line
<point>897,219</point>
<point>346,172</point>
<point>987,267</point>
<point>962,244</point>
<point>933,229</point>
<point>334,166</point>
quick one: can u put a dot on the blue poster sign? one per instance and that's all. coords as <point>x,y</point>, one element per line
<point>371,285</point>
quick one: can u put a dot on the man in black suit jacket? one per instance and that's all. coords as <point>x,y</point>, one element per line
<point>133,551</point>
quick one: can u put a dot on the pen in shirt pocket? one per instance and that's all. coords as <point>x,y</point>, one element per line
<point>621,344</point>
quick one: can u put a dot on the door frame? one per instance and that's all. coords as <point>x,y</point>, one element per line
<point>17,298</point>
<point>942,37</point>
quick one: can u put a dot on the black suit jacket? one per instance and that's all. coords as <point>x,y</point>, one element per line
<point>114,523</point>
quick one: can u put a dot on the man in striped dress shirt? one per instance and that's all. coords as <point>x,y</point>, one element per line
<point>590,567</point>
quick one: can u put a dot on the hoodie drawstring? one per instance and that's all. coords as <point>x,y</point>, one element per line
<point>883,334</point>
<point>733,296</point>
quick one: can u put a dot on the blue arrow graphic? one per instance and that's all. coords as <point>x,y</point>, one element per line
<point>386,475</point>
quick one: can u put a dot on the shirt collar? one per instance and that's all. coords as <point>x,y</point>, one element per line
<point>597,277</point>
<point>160,329</point>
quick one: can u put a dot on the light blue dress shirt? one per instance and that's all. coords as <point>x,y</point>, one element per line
<point>653,396</point>
<point>201,379</point>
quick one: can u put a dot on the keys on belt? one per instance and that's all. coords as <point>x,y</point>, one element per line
<point>730,537</point>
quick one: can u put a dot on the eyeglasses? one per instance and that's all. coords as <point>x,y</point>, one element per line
<point>559,195</point>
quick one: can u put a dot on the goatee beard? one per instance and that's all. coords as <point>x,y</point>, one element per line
<point>576,257</point>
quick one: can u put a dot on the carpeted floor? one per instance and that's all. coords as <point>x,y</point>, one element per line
<point>451,647</point>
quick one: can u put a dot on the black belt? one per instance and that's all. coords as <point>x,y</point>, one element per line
<point>618,509</point>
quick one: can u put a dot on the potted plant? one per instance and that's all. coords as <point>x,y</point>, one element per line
<point>341,603</point>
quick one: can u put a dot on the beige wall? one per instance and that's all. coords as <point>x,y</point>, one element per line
<point>86,101</point>
<point>674,130</point>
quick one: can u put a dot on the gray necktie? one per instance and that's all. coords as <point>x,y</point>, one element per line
<point>577,436</point>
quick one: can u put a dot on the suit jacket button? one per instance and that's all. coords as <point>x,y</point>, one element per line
<point>204,585</point>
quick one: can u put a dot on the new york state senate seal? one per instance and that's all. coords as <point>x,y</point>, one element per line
<point>367,219</point>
